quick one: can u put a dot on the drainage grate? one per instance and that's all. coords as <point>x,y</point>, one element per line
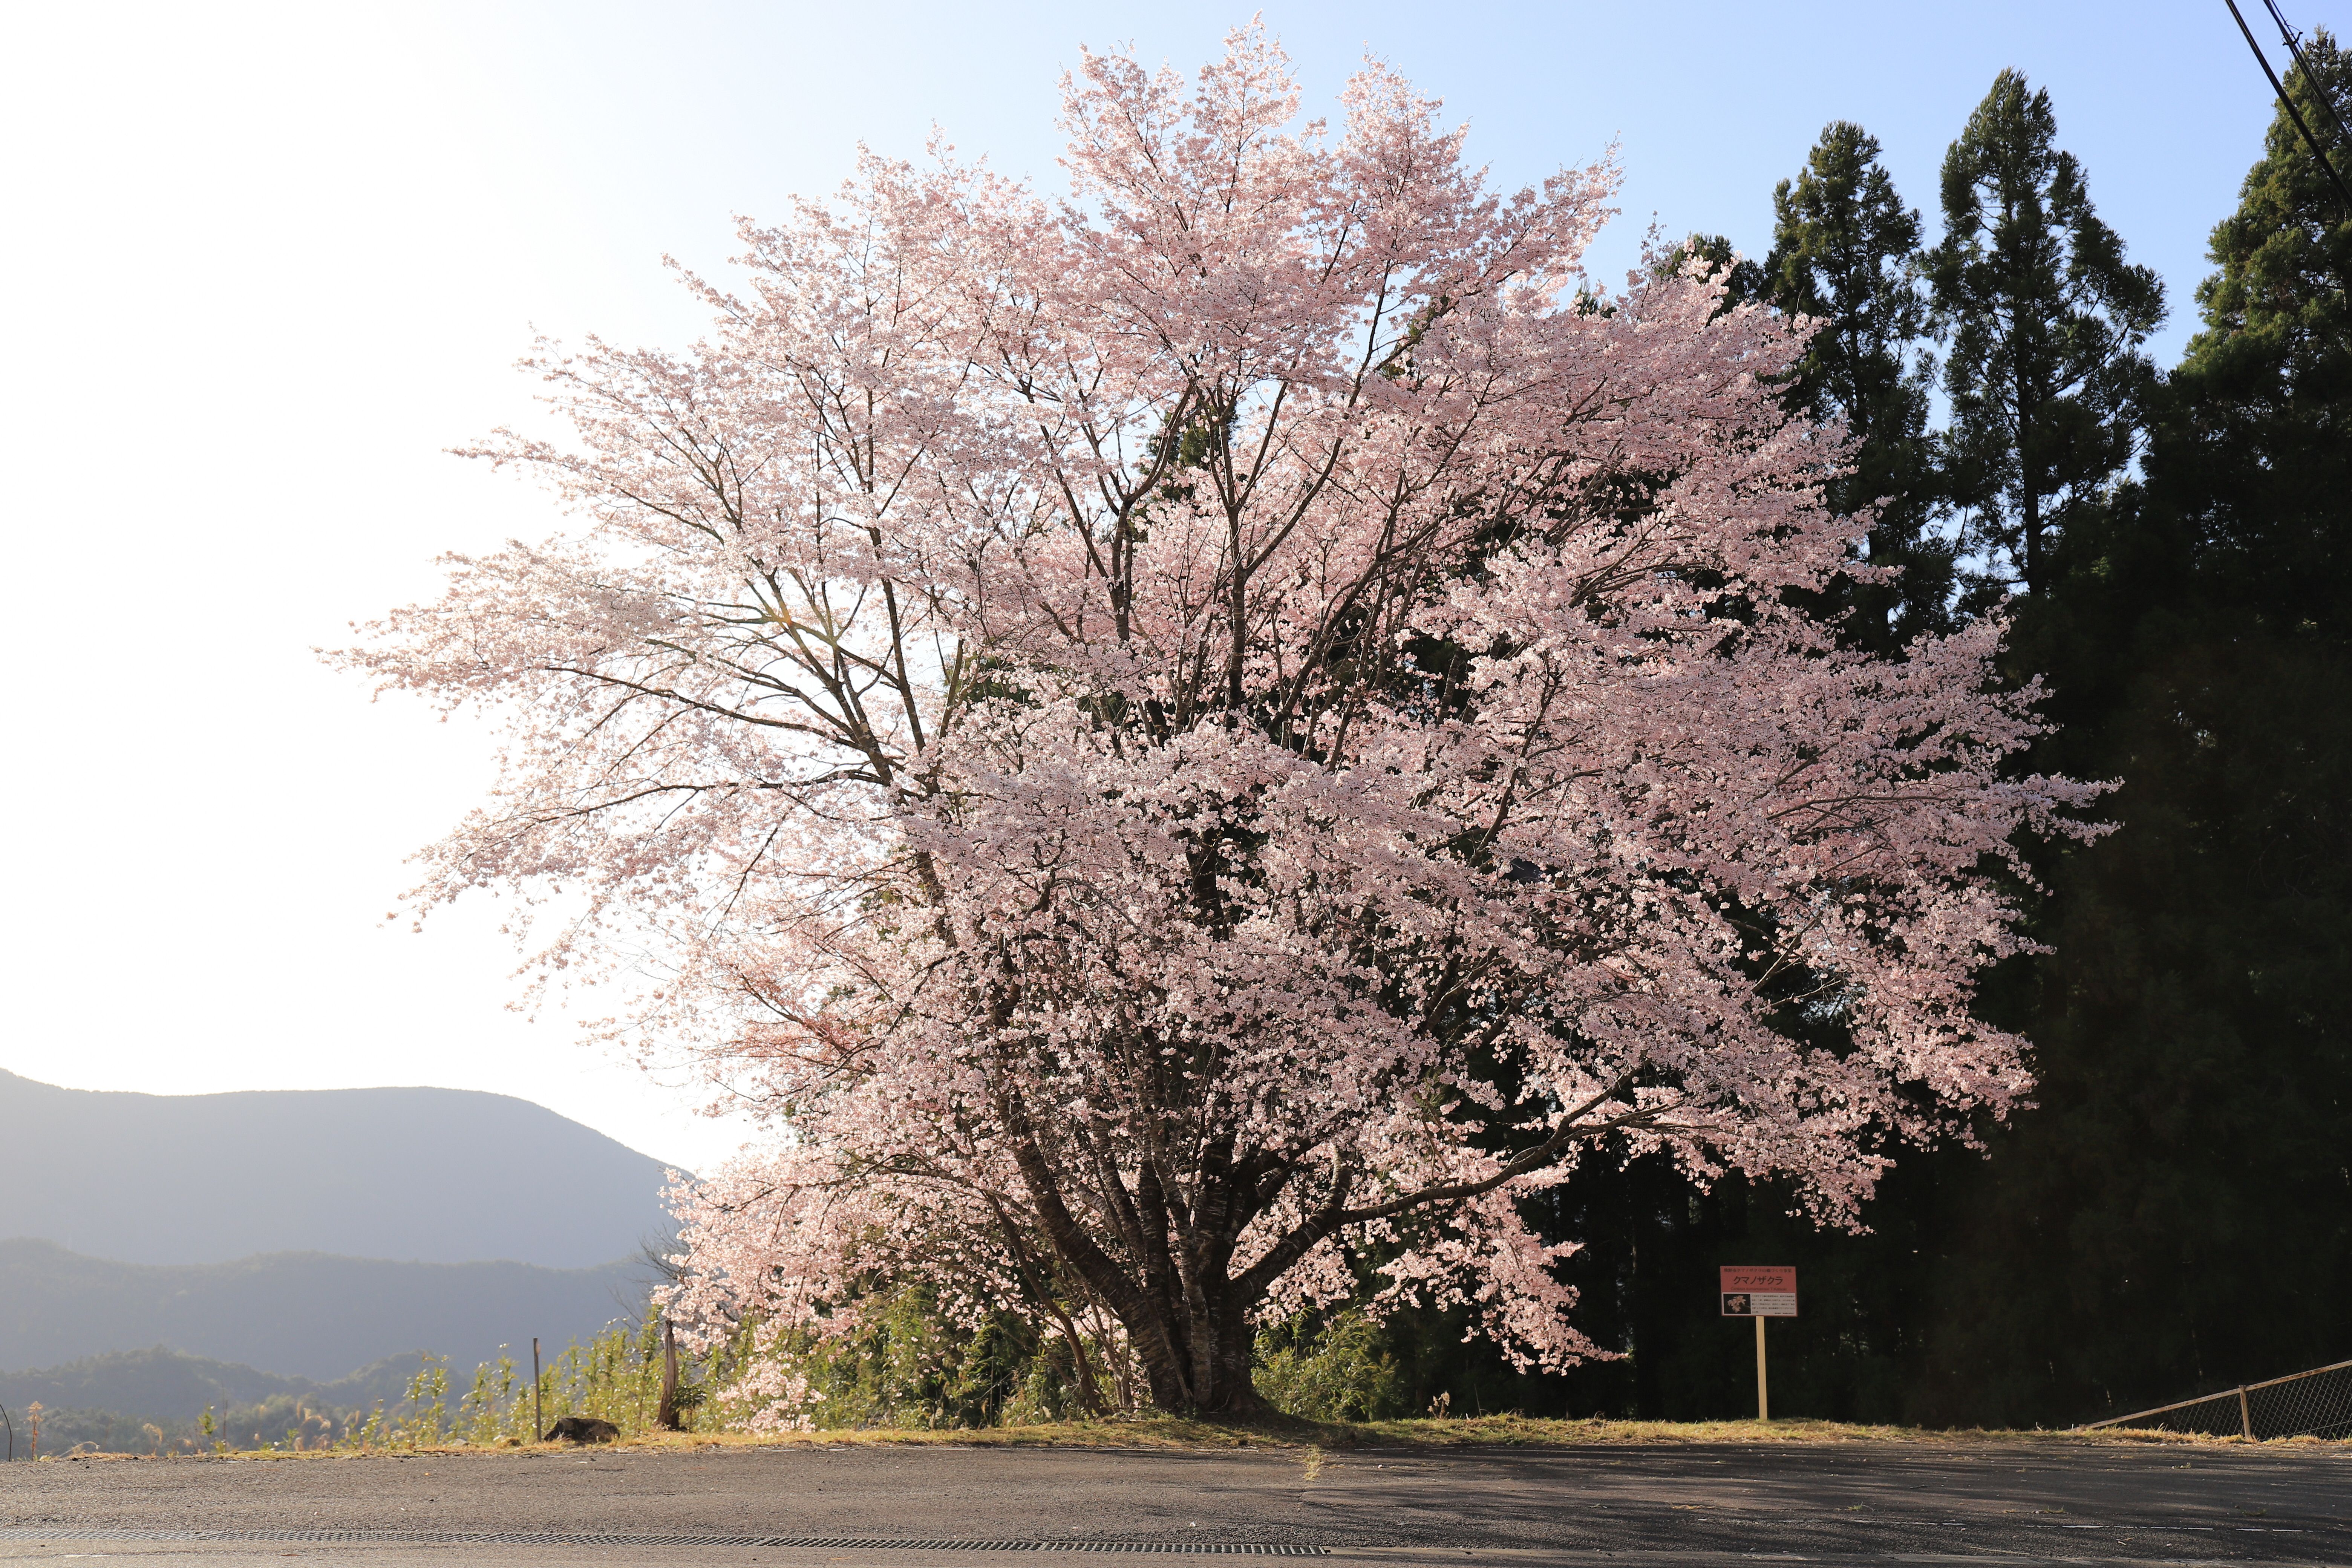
<point>549,1537</point>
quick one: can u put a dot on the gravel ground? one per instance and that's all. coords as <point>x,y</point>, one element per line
<point>1852,1502</point>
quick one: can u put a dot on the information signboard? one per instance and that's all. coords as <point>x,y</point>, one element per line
<point>1759,1292</point>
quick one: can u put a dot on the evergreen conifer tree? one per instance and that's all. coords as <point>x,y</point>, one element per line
<point>2177,1214</point>
<point>2044,318</point>
<point>1845,251</point>
<point>2258,442</point>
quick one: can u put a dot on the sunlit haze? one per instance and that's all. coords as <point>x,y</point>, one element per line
<point>265,265</point>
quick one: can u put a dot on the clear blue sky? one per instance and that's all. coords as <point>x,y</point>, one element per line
<point>731,107</point>
<point>266,262</point>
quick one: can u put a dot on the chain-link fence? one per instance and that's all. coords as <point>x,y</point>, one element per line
<point>2314,1404</point>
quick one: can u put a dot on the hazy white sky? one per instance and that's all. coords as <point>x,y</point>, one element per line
<point>261,264</point>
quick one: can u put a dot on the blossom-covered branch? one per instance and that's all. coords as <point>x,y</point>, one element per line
<point>1189,740</point>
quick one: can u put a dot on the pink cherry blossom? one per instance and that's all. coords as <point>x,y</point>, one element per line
<point>1184,740</point>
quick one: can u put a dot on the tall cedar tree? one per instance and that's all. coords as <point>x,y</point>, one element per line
<point>1845,251</point>
<point>2177,1214</point>
<point>2044,318</point>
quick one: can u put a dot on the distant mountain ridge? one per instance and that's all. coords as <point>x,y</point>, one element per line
<point>158,1400</point>
<point>436,1175</point>
<point>163,1383</point>
<point>298,1315</point>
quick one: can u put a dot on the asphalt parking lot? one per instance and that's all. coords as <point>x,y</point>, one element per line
<point>974,1507</point>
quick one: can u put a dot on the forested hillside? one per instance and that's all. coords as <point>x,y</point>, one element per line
<point>158,1400</point>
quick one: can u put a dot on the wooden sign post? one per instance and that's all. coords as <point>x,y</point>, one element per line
<point>1759,1292</point>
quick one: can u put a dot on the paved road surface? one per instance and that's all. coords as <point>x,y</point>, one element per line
<point>1969,1503</point>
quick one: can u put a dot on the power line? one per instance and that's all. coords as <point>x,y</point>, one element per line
<point>2294,113</point>
<point>2311,78</point>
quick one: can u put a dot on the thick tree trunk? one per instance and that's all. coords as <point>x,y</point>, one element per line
<point>1188,1320</point>
<point>1209,1372</point>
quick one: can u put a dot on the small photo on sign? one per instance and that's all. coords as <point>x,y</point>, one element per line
<point>1755,1290</point>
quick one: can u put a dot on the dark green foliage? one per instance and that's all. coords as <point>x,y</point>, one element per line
<point>2258,447</point>
<point>1845,251</point>
<point>1652,1244</point>
<point>1743,281</point>
<point>2177,1215</point>
<point>907,1367</point>
<point>2043,320</point>
<point>1339,1368</point>
<point>2174,1214</point>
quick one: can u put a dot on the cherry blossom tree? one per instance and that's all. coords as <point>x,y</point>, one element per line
<point>1191,746</point>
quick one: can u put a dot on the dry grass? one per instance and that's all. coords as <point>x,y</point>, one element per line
<point>1313,1440</point>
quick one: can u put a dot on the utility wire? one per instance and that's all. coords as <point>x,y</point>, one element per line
<point>2318,88</point>
<point>2295,114</point>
